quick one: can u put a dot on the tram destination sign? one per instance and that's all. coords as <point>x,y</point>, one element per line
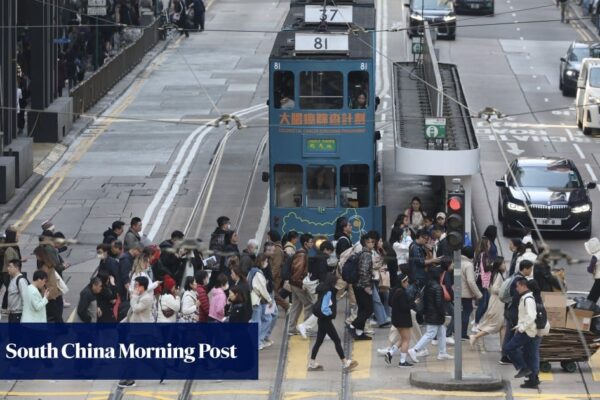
<point>320,146</point>
<point>435,128</point>
<point>96,8</point>
<point>321,43</point>
<point>335,15</point>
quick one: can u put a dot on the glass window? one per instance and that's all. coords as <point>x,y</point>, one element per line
<point>358,88</point>
<point>579,53</point>
<point>321,186</point>
<point>354,186</point>
<point>288,186</point>
<point>547,177</point>
<point>595,77</point>
<point>321,90</point>
<point>283,89</point>
<point>432,5</point>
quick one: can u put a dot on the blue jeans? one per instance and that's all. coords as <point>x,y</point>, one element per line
<point>380,313</point>
<point>273,321</point>
<point>467,309</point>
<point>518,348</point>
<point>532,354</point>
<point>482,305</point>
<point>265,323</point>
<point>450,312</point>
<point>432,331</point>
<point>257,312</point>
<point>509,333</point>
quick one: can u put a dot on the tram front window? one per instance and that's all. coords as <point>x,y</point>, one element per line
<point>321,90</point>
<point>288,186</point>
<point>321,186</point>
<point>358,89</point>
<point>354,186</point>
<point>283,89</point>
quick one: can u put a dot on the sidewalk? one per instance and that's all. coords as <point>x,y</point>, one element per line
<point>586,22</point>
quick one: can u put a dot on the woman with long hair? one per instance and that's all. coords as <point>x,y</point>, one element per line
<point>141,267</point>
<point>168,301</point>
<point>415,213</point>
<point>483,275</point>
<point>189,301</point>
<point>401,303</point>
<point>517,249</point>
<point>238,312</point>
<point>48,262</point>
<point>493,318</point>
<point>11,252</point>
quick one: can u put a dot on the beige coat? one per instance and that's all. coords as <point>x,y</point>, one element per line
<point>469,286</point>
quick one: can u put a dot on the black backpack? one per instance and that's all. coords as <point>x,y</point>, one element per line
<point>350,269</point>
<point>541,317</point>
<point>286,267</point>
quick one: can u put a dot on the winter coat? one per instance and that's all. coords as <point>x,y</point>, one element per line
<point>218,300</point>
<point>327,300</point>
<point>131,239</point>
<point>299,268</point>
<point>105,303</point>
<point>434,304</point>
<point>87,308</point>
<point>34,306</point>
<point>188,304</point>
<point>259,294</point>
<point>141,307</point>
<point>168,302</point>
<point>109,236</point>
<point>244,287</point>
<point>544,278</point>
<point>365,269</point>
<point>238,314</point>
<point>204,307</point>
<point>470,290</point>
<point>401,305</point>
<point>317,266</point>
<point>343,244</point>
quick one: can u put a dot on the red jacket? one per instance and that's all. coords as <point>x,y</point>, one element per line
<point>204,304</point>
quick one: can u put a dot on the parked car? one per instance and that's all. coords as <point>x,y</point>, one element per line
<point>553,191</point>
<point>570,65</point>
<point>439,13</point>
<point>485,7</point>
<point>587,100</point>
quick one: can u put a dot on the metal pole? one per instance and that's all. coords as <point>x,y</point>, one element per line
<point>457,318</point>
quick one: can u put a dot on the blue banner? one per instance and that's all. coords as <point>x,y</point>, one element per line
<point>129,351</point>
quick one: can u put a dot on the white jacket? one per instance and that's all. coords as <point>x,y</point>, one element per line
<point>401,248</point>
<point>141,307</point>
<point>168,302</point>
<point>530,256</point>
<point>259,289</point>
<point>188,302</point>
<point>527,314</point>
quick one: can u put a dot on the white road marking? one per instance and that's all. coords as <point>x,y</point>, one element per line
<point>264,220</point>
<point>569,133</point>
<point>581,155</point>
<point>591,172</point>
<point>546,99</point>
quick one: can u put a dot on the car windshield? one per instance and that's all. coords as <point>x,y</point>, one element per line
<point>431,5</point>
<point>579,53</point>
<point>595,77</point>
<point>547,176</point>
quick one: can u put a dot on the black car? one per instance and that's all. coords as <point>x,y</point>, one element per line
<point>553,190</point>
<point>439,13</point>
<point>570,65</point>
<point>485,7</point>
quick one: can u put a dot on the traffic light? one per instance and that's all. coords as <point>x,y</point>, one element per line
<point>455,222</point>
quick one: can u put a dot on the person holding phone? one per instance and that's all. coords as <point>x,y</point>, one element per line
<point>34,302</point>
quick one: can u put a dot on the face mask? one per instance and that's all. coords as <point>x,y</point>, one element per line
<point>226,287</point>
<point>228,227</point>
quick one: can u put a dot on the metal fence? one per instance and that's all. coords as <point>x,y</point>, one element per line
<point>435,90</point>
<point>88,92</point>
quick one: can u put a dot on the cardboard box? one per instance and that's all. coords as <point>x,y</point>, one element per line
<point>584,317</point>
<point>556,308</point>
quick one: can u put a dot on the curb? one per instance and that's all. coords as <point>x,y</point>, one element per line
<point>445,381</point>
<point>31,184</point>
<point>583,21</point>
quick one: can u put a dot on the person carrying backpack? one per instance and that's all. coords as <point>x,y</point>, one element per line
<point>533,352</point>
<point>362,287</point>
<point>325,309</point>
<point>301,299</point>
<point>17,288</point>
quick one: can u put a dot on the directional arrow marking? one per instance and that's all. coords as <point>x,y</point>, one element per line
<point>514,149</point>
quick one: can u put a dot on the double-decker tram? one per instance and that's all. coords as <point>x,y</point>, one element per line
<point>322,139</point>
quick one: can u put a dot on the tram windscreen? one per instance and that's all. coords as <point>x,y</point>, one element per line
<point>283,89</point>
<point>288,186</point>
<point>321,186</point>
<point>354,186</point>
<point>358,89</point>
<point>321,90</point>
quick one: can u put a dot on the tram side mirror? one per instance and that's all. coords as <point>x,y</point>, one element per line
<point>377,177</point>
<point>562,59</point>
<point>377,102</point>
<point>500,183</point>
<point>406,5</point>
<point>591,185</point>
<point>268,101</point>
<point>265,177</point>
<point>377,135</point>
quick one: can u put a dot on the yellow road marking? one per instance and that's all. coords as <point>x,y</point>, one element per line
<point>297,358</point>
<point>595,366</point>
<point>230,392</point>
<point>424,392</point>
<point>362,351</point>
<point>556,396</point>
<point>546,376</point>
<point>308,395</point>
<point>55,394</point>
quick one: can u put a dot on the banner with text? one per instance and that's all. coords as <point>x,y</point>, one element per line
<point>129,351</point>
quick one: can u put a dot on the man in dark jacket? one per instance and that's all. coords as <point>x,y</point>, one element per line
<point>542,274</point>
<point>169,255</point>
<point>417,263</point>
<point>434,316</point>
<point>301,299</point>
<point>125,266</point>
<point>363,289</point>
<point>87,309</point>
<point>113,233</point>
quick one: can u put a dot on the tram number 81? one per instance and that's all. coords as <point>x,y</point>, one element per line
<point>320,43</point>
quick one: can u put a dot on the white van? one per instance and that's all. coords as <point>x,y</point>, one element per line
<point>587,102</point>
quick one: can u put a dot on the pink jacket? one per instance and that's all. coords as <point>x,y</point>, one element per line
<point>217,304</point>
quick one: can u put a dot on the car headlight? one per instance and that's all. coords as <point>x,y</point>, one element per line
<point>516,207</point>
<point>581,209</point>
<point>416,17</point>
<point>593,100</point>
<point>448,18</point>
<point>570,72</point>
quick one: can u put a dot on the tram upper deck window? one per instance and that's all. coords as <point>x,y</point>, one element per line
<point>358,89</point>
<point>288,185</point>
<point>354,186</point>
<point>283,89</point>
<point>321,90</point>
<point>321,186</point>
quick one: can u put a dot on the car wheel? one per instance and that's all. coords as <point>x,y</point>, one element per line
<point>587,131</point>
<point>579,123</point>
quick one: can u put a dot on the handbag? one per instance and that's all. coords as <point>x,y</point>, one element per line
<point>444,289</point>
<point>192,317</point>
<point>168,313</point>
<point>384,279</point>
<point>308,285</point>
<point>592,267</point>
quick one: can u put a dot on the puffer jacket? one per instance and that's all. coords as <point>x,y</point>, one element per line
<point>365,269</point>
<point>434,304</point>
<point>299,268</point>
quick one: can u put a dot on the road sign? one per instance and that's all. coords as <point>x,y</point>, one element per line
<point>96,10</point>
<point>96,3</point>
<point>435,128</point>
<point>417,47</point>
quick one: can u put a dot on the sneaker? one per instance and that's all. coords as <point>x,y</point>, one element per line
<point>530,384</point>
<point>450,341</point>
<point>413,354</point>
<point>349,320</point>
<point>523,372</point>
<point>388,358</point>
<point>66,305</point>
<point>369,331</point>
<point>126,384</point>
<point>362,337</point>
<point>372,322</point>
<point>384,351</point>
<point>434,342</point>
<point>5,311</point>
<point>315,367</point>
<point>445,356</point>
<point>504,361</point>
<point>350,365</point>
<point>267,343</point>
<point>385,324</point>
<point>405,364</point>
<point>261,346</point>
<point>302,330</point>
<point>475,328</point>
<point>422,353</point>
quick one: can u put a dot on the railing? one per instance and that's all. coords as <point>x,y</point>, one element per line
<point>435,90</point>
<point>88,92</point>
